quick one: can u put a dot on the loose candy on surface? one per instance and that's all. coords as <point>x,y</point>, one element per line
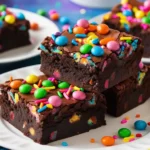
<point>15,84</point>
<point>40,93</point>
<point>32,79</point>
<point>108,141</point>
<point>10,19</point>
<point>54,16</point>
<point>83,23</point>
<point>3,8</point>
<point>61,40</point>
<point>78,30</point>
<point>34,26</point>
<point>64,20</point>
<point>64,144</point>
<point>97,51</point>
<point>92,140</point>
<point>55,101</point>
<point>63,85</point>
<point>140,125</point>
<point>102,29</point>
<point>113,45</point>
<point>79,95</point>
<point>124,132</point>
<point>41,12</point>
<point>47,83</point>
<point>52,11</point>
<point>85,49</point>
<point>25,88</point>
<point>20,16</point>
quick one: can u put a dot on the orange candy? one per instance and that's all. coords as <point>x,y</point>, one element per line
<point>92,140</point>
<point>102,29</point>
<point>54,16</point>
<point>15,84</point>
<point>78,30</point>
<point>92,27</point>
<point>108,141</point>
<point>106,40</point>
<point>34,26</point>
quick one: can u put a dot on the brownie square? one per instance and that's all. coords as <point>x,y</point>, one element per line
<point>14,30</point>
<point>132,17</point>
<point>129,93</point>
<point>90,71</point>
<point>45,121</point>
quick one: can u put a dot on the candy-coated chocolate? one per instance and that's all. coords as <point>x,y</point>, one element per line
<point>15,84</point>
<point>2,8</point>
<point>41,12</point>
<point>86,48</point>
<point>34,26</point>
<point>113,45</point>
<point>140,125</point>
<point>146,20</point>
<point>147,3</point>
<point>25,88</point>
<point>63,85</point>
<point>61,40</point>
<point>95,41</point>
<point>10,19</point>
<point>32,79</point>
<point>20,16</point>
<point>108,141</point>
<point>54,16</point>
<point>1,23</point>
<point>64,20</point>
<point>52,11</point>
<point>127,13</point>
<point>83,23</point>
<point>139,14</point>
<point>65,27</point>
<point>55,100</point>
<point>78,30</point>
<point>124,132</point>
<point>106,40</point>
<point>79,95</point>
<point>47,83</point>
<point>102,29</point>
<point>97,51</point>
<point>92,27</point>
<point>40,93</point>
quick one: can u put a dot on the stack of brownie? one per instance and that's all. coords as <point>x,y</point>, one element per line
<point>80,66</point>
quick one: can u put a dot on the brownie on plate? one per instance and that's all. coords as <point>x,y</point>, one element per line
<point>14,29</point>
<point>129,93</point>
<point>91,56</point>
<point>46,110</point>
<point>132,16</point>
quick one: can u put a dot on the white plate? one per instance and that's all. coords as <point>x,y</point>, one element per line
<point>99,19</point>
<point>14,139</point>
<point>47,27</point>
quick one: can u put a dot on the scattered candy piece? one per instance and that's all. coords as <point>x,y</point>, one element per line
<point>102,29</point>
<point>123,121</point>
<point>148,123</point>
<point>55,101</point>
<point>138,116</point>
<point>78,30</point>
<point>40,93</point>
<point>52,12</point>
<point>64,144</point>
<point>108,141</point>
<point>32,131</point>
<point>79,95</point>
<point>47,83</point>
<point>97,51</point>
<point>10,19</point>
<point>64,20</point>
<point>141,65</point>
<point>15,84</point>
<point>32,79</point>
<point>3,8</point>
<point>63,85</point>
<point>20,16</point>
<point>34,26</point>
<point>83,23</point>
<point>140,125</point>
<point>138,135</point>
<point>65,27</point>
<point>92,140</point>
<point>85,49</point>
<point>106,40</point>
<point>41,12</point>
<point>113,45</point>
<point>115,137</point>
<point>61,40</point>
<point>25,88</point>
<point>54,16</point>
<point>124,132</point>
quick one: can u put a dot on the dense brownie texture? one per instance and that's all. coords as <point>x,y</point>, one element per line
<point>14,35</point>
<point>135,27</point>
<point>92,73</point>
<point>129,93</point>
<point>73,117</point>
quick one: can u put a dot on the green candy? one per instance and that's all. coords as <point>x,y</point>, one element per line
<point>25,88</point>
<point>124,132</point>
<point>85,49</point>
<point>59,94</point>
<point>2,7</point>
<point>63,85</point>
<point>40,93</point>
<point>82,89</point>
<point>47,83</point>
<point>129,41</point>
<point>146,20</point>
<point>41,12</point>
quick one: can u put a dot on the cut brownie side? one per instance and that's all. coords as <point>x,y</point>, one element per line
<point>44,120</point>
<point>131,17</point>
<point>129,93</point>
<point>14,30</point>
<point>112,57</point>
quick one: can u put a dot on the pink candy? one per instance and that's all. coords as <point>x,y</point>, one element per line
<point>79,95</point>
<point>55,101</point>
<point>65,27</point>
<point>141,65</point>
<point>52,12</point>
<point>83,23</point>
<point>147,3</point>
<point>113,45</point>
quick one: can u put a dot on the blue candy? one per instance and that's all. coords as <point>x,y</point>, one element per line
<point>97,51</point>
<point>64,144</point>
<point>20,16</point>
<point>127,13</point>
<point>64,20</point>
<point>1,23</point>
<point>140,125</point>
<point>61,40</point>
<point>95,41</point>
<point>80,35</point>
<point>3,13</point>
<point>74,42</point>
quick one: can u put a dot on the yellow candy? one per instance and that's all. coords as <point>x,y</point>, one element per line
<point>33,109</point>
<point>135,9</point>
<point>121,15</point>
<point>41,105</point>
<point>16,98</point>
<point>124,21</point>
<point>126,140</point>
<point>49,106</point>
<point>49,88</point>
<point>32,131</point>
<point>76,88</point>
<point>32,79</point>
<point>35,86</point>
<point>107,16</point>
<point>90,33</point>
<point>139,14</point>
<point>124,2</point>
<point>10,19</point>
<point>125,38</point>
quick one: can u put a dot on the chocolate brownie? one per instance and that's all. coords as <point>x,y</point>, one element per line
<point>46,110</point>
<point>129,93</point>
<point>133,17</point>
<point>94,57</point>
<point>14,30</point>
